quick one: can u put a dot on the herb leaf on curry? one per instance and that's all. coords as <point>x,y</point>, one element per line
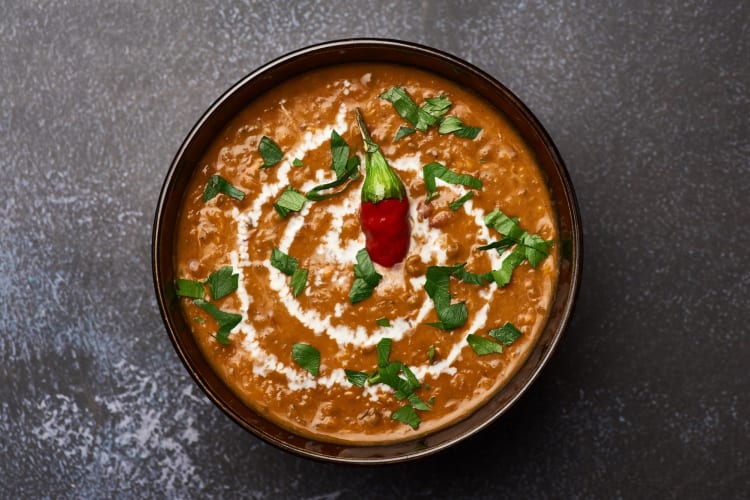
<point>483,346</point>
<point>408,415</point>
<point>454,125</point>
<point>384,322</point>
<point>436,170</point>
<point>217,184</point>
<point>365,278</point>
<point>222,282</point>
<point>357,378</point>
<point>507,334</point>
<point>283,262</point>
<point>270,152</point>
<point>459,202</point>
<point>530,247</point>
<point>189,288</point>
<point>299,281</point>
<point>307,357</point>
<point>226,320</point>
<point>290,200</point>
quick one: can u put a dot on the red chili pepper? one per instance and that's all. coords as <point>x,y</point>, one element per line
<point>384,214</point>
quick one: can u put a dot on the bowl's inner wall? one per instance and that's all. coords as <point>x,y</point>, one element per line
<point>255,84</point>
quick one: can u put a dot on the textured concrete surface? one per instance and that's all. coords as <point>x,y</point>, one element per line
<point>649,394</point>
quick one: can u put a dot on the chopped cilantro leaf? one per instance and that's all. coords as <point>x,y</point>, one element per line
<point>507,334</point>
<point>297,163</point>
<point>503,275</point>
<point>270,152</point>
<point>222,282</point>
<point>226,320</point>
<point>459,202</point>
<point>299,281</point>
<point>454,125</point>
<point>418,403</point>
<point>384,351</point>
<point>307,357</point>
<point>434,170</point>
<point>350,173</point>
<point>198,319</point>
<point>407,415</point>
<point>290,200</point>
<point>431,354</point>
<point>403,132</point>
<point>189,288</point>
<point>483,346</point>
<point>283,262</point>
<point>217,184</point>
<point>437,106</point>
<point>404,105</point>
<point>365,278</point>
<point>529,247</point>
<point>339,154</point>
<point>383,322</point>
<point>357,378</point>
<point>437,285</point>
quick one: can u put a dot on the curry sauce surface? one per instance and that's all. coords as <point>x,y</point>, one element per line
<point>299,116</point>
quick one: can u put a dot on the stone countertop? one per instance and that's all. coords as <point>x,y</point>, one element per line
<point>648,394</point>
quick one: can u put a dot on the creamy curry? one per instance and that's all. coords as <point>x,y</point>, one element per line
<point>450,372</point>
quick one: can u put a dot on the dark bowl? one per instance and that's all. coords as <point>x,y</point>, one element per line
<point>350,51</point>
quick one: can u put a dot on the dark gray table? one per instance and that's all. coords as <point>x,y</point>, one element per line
<point>648,395</point>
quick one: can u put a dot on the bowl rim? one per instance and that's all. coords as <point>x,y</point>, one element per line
<point>576,239</point>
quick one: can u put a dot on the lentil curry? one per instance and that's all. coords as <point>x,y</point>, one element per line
<point>298,313</point>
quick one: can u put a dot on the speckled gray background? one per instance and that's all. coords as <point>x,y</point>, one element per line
<point>649,393</point>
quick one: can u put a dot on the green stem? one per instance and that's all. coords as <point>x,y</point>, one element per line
<point>381,182</point>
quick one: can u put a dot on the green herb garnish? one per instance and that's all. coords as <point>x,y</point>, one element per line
<point>222,282</point>
<point>383,322</point>
<point>531,247</point>
<point>226,320</point>
<point>454,125</point>
<point>297,163</point>
<point>307,357</point>
<point>339,153</point>
<point>357,378</point>
<point>431,354</point>
<point>365,278</point>
<point>507,334</point>
<point>217,184</point>
<point>384,351</point>
<point>189,288</point>
<point>270,152</point>
<point>434,170</point>
<point>198,319</point>
<point>459,202</point>
<point>483,346</point>
<point>290,200</point>
<point>299,281</point>
<point>408,415</point>
<point>503,275</point>
<point>437,285</point>
<point>350,173</point>
<point>421,117</point>
<point>346,169</point>
<point>388,373</point>
<point>437,106</point>
<point>283,262</point>
<point>290,266</point>
<point>403,132</point>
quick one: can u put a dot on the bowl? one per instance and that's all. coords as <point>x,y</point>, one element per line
<point>356,51</point>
